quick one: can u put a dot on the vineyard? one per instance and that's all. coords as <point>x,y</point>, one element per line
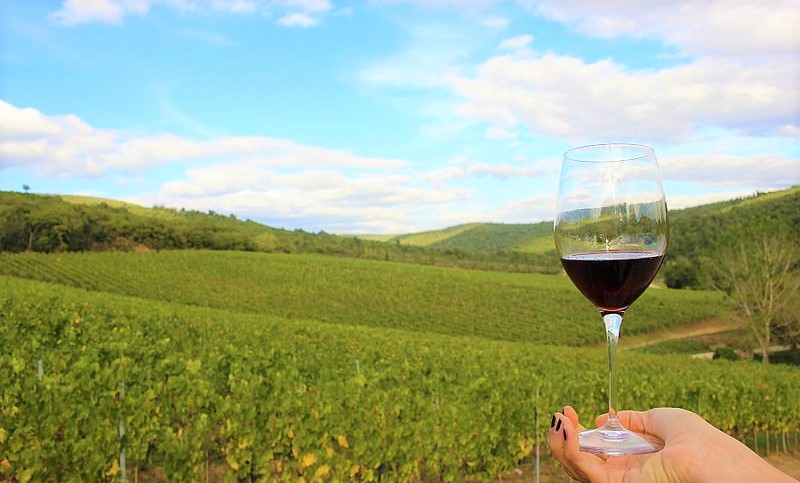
<point>181,361</point>
<point>518,307</point>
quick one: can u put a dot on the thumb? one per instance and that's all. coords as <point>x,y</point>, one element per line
<point>666,423</point>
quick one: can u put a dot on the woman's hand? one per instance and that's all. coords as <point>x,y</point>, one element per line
<point>694,451</point>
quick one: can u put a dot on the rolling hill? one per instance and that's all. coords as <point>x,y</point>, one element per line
<point>72,223</point>
<point>486,238</point>
<point>55,224</point>
<point>693,231</point>
<point>506,306</point>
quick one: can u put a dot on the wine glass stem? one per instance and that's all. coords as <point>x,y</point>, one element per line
<point>613,322</point>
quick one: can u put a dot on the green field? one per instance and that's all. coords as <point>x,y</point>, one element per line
<point>520,307</point>
<point>280,367</point>
<point>488,238</point>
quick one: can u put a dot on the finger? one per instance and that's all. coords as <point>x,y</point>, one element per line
<point>557,442</point>
<point>662,422</point>
<point>570,412</point>
<point>563,441</point>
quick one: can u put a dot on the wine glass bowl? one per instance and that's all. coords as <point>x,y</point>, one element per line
<point>611,234</point>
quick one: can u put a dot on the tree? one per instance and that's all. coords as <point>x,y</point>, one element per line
<point>26,188</point>
<point>757,270</point>
<point>787,323</point>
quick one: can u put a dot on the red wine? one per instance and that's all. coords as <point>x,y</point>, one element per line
<point>612,280</point>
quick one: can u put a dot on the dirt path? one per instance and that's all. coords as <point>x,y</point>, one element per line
<point>702,328</point>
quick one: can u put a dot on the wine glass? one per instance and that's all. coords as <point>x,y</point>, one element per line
<point>611,235</point>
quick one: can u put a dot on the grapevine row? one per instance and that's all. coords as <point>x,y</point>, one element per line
<point>519,307</point>
<point>277,399</point>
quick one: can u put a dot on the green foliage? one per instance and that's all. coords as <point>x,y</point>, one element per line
<point>523,307</point>
<point>757,267</point>
<point>281,400</point>
<point>681,272</point>
<point>697,233</point>
<point>726,353</point>
<point>50,224</point>
<point>787,322</point>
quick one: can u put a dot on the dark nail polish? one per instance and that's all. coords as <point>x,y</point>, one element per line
<point>558,426</point>
<point>553,421</point>
<point>565,434</point>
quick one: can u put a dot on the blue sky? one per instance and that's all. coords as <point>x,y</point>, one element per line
<point>391,116</point>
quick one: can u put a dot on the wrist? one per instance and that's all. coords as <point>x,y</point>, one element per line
<point>729,460</point>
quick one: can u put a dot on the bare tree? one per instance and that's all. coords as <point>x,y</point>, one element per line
<point>758,273</point>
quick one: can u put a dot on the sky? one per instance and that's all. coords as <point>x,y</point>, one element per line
<point>391,116</point>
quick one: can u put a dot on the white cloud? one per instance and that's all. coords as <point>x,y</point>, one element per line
<point>771,171</point>
<point>79,11</point>
<point>292,13</point>
<point>25,122</point>
<point>235,6</point>
<point>533,209</point>
<point>474,169</point>
<point>698,28</point>
<point>258,177</point>
<point>565,97</point>
<point>58,144</point>
<point>739,72</point>
<point>296,20</point>
<point>436,3</point>
<point>308,5</point>
<point>68,146</point>
<point>518,42</point>
<point>333,200</point>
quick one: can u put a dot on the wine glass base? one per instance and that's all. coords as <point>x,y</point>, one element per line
<point>618,442</point>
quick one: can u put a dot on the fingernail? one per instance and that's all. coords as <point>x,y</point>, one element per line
<point>558,426</point>
<point>553,421</point>
<point>565,434</point>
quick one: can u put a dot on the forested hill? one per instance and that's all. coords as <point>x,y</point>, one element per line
<point>693,230</point>
<point>52,223</point>
<point>696,233</point>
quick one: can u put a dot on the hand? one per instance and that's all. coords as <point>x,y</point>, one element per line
<point>694,451</point>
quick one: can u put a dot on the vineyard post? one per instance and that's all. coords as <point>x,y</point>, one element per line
<point>438,419</point>
<point>767,430</point>
<point>536,429</point>
<point>39,375</point>
<point>122,462</point>
<point>755,439</point>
